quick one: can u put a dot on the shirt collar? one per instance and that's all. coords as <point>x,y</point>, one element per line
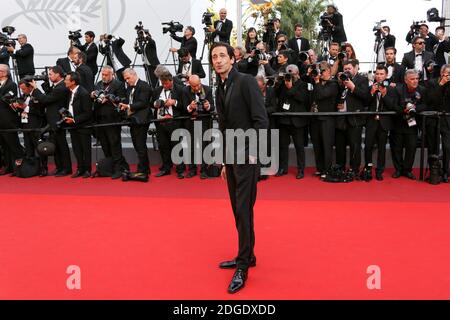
<point>74,91</point>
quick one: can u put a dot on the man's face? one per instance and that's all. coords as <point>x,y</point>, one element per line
<point>130,79</point>
<point>69,83</point>
<point>423,30</point>
<point>223,14</point>
<point>187,33</point>
<point>25,89</point>
<point>54,77</point>
<point>281,41</point>
<point>237,54</point>
<point>167,84</point>
<point>445,73</point>
<point>440,33</point>
<point>412,81</point>
<point>380,75</point>
<point>326,74</point>
<point>3,73</point>
<point>186,58</point>
<point>73,54</point>
<point>386,30</point>
<point>107,76</point>
<point>419,45</point>
<point>298,32</point>
<point>334,50</point>
<point>349,68</point>
<point>88,39</point>
<point>196,86</point>
<point>221,61</point>
<point>312,56</point>
<point>390,56</point>
<point>22,40</point>
<point>330,10</point>
<point>260,47</point>
<point>282,59</point>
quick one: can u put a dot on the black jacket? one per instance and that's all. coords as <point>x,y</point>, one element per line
<point>420,97</point>
<point>107,113</point>
<point>438,99</point>
<point>9,119</point>
<point>298,99</point>
<point>82,108</point>
<point>24,57</point>
<point>338,33</point>
<point>409,60</point>
<point>151,53</point>
<point>439,50</point>
<point>196,69</point>
<point>225,32</point>
<point>86,77</point>
<point>140,106</point>
<point>116,47</point>
<point>56,99</point>
<point>398,74</point>
<point>190,96</point>
<point>324,95</point>
<point>188,44</point>
<point>356,102</point>
<point>36,114</point>
<point>387,103</point>
<point>176,94</point>
<point>430,41</point>
<point>91,54</point>
<point>4,56</point>
<point>293,44</point>
<point>65,63</point>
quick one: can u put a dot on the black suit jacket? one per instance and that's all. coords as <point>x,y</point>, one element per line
<point>387,103</point>
<point>225,32</point>
<point>86,77</point>
<point>299,100</point>
<point>196,69</point>
<point>141,102</point>
<point>398,74</point>
<point>91,54</point>
<point>189,96</point>
<point>116,47</point>
<point>409,60</point>
<point>24,57</point>
<point>106,113</point>
<point>338,33</point>
<point>9,119</point>
<point>151,53</point>
<point>438,99</point>
<point>439,50</point>
<point>293,44</point>
<point>400,124</point>
<point>188,44</point>
<point>4,56</point>
<point>356,102</point>
<point>54,100</point>
<point>176,94</point>
<point>64,63</point>
<point>82,108</point>
<point>325,95</point>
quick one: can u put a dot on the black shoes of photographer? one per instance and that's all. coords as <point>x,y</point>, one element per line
<point>396,175</point>
<point>281,173</point>
<point>191,174</point>
<point>162,173</point>
<point>410,176</point>
<point>233,265</point>
<point>79,174</point>
<point>238,281</point>
<point>62,173</point>
<point>379,176</point>
<point>116,175</point>
<point>300,174</point>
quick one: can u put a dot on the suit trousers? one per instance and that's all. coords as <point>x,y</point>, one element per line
<point>323,137</point>
<point>399,142</point>
<point>375,134</point>
<point>81,146</point>
<point>110,140</point>
<point>298,136</point>
<point>62,152</point>
<point>139,138</point>
<point>351,136</point>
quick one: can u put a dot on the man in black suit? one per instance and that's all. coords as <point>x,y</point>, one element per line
<point>4,55</point>
<point>354,98</point>
<point>85,72</point>
<point>221,31</point>
<point>9,119</point>
<point>293,96</point>
<point>188,41</point>
<point>189,66</point>
<point>201,103</point>
<point>168,103</point>
<point>412,100</point>
<point>298,43</point>
<point>384,40</point>
<point>424,32</point>
<point>396,71</point>
<point>91,51</point>
<point>273,30</point>
<point>382,98</point>
<point>80,107</point>
<point>57,97</point>
<point>419,59</point>
<point>32,117</point>
<point>68,64</point>
<point>440,49</point>
<point>137,107</point>
<point>24,57</point>
<point>336,24</point>
<point>240,106</point>
<point>106,112</point>
<point>438,99</point>
<point>115,56</point>
<point>151,60</point>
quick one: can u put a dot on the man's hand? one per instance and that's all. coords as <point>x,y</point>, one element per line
<point>124,107</point>
<point>263,62</point>
<point>383,91</point>
<point>340,106</point>
<point>69,120</point>
<point>206,105</point>
<point>375,88</point>
<point>350,85</point>
<point>193,106</point>
<point>173,50</point>
<point>10,49</point>
<point>170,102</point>
<point>444,80</point>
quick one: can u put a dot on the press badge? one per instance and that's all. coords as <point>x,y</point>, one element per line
<point>286,106</point>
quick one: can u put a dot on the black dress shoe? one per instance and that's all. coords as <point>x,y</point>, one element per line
<point>180,175</point>
<point>396,175</point>
<point>281,173</point>
<point>62,173</point>
<point>86,175</point>
<point>238,281</point>
<point>191,174</point>
<point>232,264</point>
<point>77,174</point>
<point>116,175</point>
<point>410,176</point>
<point>5,172</point>
<point>162,173</point>
<point>203,175</point>
<point>379,176</point>
<point>445,178</point>
<point>300,175</point>
<point>44,173</point>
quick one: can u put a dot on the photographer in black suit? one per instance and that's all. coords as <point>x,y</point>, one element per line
<point>424,33</point>
<point>221,31</point>
<point>438,99</point>
<point>293,96</point>
<point>384,40</point>
<point>24,57</point>
<point>335,22</point>
<point>271,33</point>
<point>151,60</point>
<point>298,43</point>
<point>9,119</point>
<point>91,51</point>
<point>354,97</point>
<point>396,71</point>
<point>112,47</point>
<point>137,107</point>
<point>80,108</point>
<point>105,111</point>
<point>201,103</point>
<point>240,106</point>
<point>188,41</point>
<point>56,97</point>
<point>189,66</point>
<point>382,98</point>
<point>419,60</point>
<point>68,64</point>
<point>440,49</point>
<point>412,98</point>
<point>85,72</point>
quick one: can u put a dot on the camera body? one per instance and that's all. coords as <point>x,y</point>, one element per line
<point>99,95</point>
<point>65,114</point>
<point>303,56</point>
<point>143,34</point>
<point>207,18</point>
<point>345,76</point>
<point>201,101</point>
<point>342,55</point>
<point>415,27</point>
<point>75,36</point>
<point>410,112</point>
<point>173,27</point>
<point>42,77</point>
<point>383,84</point>
<point>378,28</point>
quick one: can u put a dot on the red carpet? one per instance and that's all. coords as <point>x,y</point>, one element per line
<point>164,239</point>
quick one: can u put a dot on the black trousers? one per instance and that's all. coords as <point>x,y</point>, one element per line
<point>242,188</point>
<point>110,140</point>
<point>403,162</point>
<point>434,142</point>
<point>151,72</point>
<point>62,152</point>
<point>298,136</point>
<point>81,146</point>
<point>351,136</point>
<point>197,146</point>
<point>375,134</point>
<point>12,149</point>
<point>139,138</point>
<point>323,137</point>
<point>31,140</point>
<point>163,134</point>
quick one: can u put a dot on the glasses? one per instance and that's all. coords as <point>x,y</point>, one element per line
<point>420,43</point>
<point>281,41</point>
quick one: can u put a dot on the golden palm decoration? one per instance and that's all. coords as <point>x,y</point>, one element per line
<point>259,9</point>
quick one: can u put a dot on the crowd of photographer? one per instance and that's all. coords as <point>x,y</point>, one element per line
<point>293,78</point>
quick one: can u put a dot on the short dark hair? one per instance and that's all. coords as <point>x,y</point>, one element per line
<point>90,34</point>
<point>298,25</point>
<point>391,48</point>
<point>191,28</point>
<point>74,76</point>
<point>382,67</point>
<point>25,82</point>
<point>82,56</point>
<point>166,76</point>
<point>335,44</point>
<point>230,50</point>
<point>353,62</point>
<point>284,53</point>
<point>57,70</point>
<point>72,49</point>
<point>440,28</point>
<point>414,40</point>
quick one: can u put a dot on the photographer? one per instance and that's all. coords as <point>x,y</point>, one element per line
<point>137,107</point>
<point>4,53</point>
<point>440,49</point>
<point>292,96</point>
<point>334,58</point>
<point>24,57</point>
<point>56,97</point>
<point>105,111</point>
<point>298,43</point>
<point>221,31</point>
<point>420,60</point>
<point>80,110</point>
<point>188,41</point>
<point>438,99</point>
<point>86,76</point>
<point>259,62</point>
<point>188,66</point>
<point>150,54</point>
<point>281,46</point>
<point>382,98</point>
<point>396,71</point>
<point>282,61</point>
<point>68,64</point>
<point>91,51</point>
<point>9,119</point>
<point>334,21</point>
<point>168,104</point>
<point>354,97</point>
<point>272,31</point>
<point>422,31</point>
<point>412,98</point>
<point>112,47</point>
<point>240,63</point>
<point>201,103</point>
<point>384,40</point>
<point>324,96</point>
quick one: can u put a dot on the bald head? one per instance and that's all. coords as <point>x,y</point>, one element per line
<point>194,82</point>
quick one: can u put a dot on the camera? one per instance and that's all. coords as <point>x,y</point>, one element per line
<point>159,103</point>
<point>65,114</point>
<point>143,34</point>
<point>207,18</point>
<point>383,84</point>
<point>99,95</point>
<point>325,20</point>
<point>378,27</point>
<point>410,113</point>
<point>9,30</point>
<point>316,71</point>
<point>342,55</point>
<point>42,77</point>
<point>201,101</point>
<point>173,27</point>
<point>415,27</point>
<point>345,76</point>
<point>115,100</point>
<point>270,25</point>
<point>75,36</point>
<point>260,56</point>
<point>430,63</point>
<point>303,56</point>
